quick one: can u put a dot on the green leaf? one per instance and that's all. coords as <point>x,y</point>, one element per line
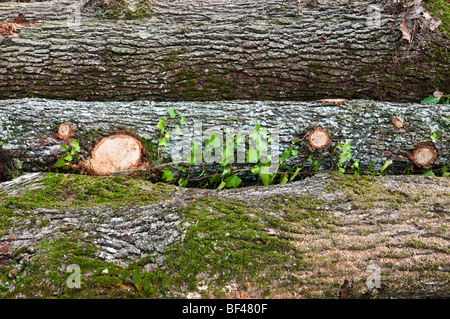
<point>163,141</point>
<point>284,179</point>
<point>386,164</point>
<point>222,185</point>
<point>64,148</point>
<point>434,137</point>
<point>171,112</point>
<point>167,175</point>
<point>75,146</point>
<point>428,173</point>
<point>233,181</point>
<point>213,141</point>
<point>1,143</point>
<point>68,157</point>
<point>183,182</point>
<point>60,163</point>
<point>226,170</point>
<point>215,179</point>
<point>167,135</point>
<point>252,155</point>
<point>355,165</point>
<point>295,174</point>
<point>254,134</point>
<point>265,178</point>
<point>430,100</point>
<point>161,125</point>
<point>256,169</point>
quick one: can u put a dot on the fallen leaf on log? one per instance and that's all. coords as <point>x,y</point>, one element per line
<point>406,31</point>
<point>8,29</point>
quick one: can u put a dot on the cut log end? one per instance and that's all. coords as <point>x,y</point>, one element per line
<point>318,138</point>
<point>115,153</point>
<point>64,131</point>
<point>423,155</point>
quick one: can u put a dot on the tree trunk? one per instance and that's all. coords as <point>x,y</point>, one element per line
<point>396,224</point>
<point>378,131</point>
<point>219,49</point>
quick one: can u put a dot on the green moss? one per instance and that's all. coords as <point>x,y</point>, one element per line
<point>227,240</point>
<point>195,86</point>
<point>119,9</point>
<point>151,149</point>
<point>80,191</point>
<point>439,9</point>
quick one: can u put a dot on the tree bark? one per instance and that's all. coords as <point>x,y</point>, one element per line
<point>219,49</point>
<point>397,223</point>
<point>29,128</point>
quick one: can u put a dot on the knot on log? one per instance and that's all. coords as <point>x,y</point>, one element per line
<point>398,122</point>
<point>65,131</point>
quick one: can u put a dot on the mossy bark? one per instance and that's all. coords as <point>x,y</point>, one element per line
<point>299,240</point>
<point>217,49</point>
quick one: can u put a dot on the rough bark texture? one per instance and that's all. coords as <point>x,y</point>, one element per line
<point>219,49</point>
<point>334,229</point>
<point>29,126</point>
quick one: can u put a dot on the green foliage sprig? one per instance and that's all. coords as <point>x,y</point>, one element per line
<point>72,151</point>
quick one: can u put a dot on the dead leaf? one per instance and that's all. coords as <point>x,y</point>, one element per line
<point>8,29</point>
<point>406,31</point>
<point>438,94</point>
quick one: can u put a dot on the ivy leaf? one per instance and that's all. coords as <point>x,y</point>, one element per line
<point>265,178</point>
<point>68,157</point>
<point>386,164</point>
<point>215,179</point>
<point>171,112</point>
<point>222,185</point>
<point>255,169</point>
<point>252,155</point>
<point>183,182</point>
<point>226,170</point>
<point>60,163</point>
<point>284,179</point>
<point>64,148</point>
<point>434,137</point>
<point>428,173</point>
<point>167,175</point>
<point>233,181</point>
<point>163,141</point>
<point>161,125</point>
<point>295,174</point>
<point>430,100</point>
<point>75,146</point>
<point>254,134</point>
